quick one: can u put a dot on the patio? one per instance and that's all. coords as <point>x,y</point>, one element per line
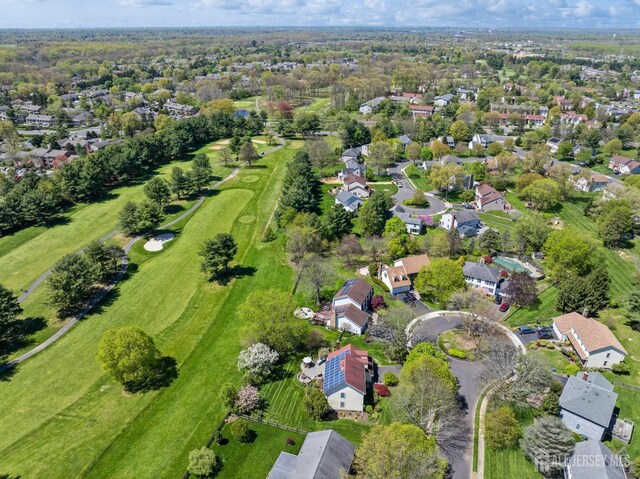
<point>310,372</point>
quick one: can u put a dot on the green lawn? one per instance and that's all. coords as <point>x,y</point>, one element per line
<point>629,409</point>
<point>27,254</point>
<point>508,463</point>
<point>254,459</point>
<point>315,105</point>
<point>61,397</point>
<point>418,178</point>
<point>284,399</point>
<point>545,310</point>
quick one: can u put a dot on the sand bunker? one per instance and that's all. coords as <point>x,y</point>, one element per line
<point>224,142</point>
<point>259,142</point>
<point>217,147</point>
<point>157,242</point>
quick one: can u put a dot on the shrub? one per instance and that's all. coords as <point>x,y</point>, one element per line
<point>240,430</point>
<point>380,283</point>
<point>502,428</point>
<point>373,269</point>
<point>456,353</point>
<point>269,235</point>
<point>290,442</point>
<point>533,346</point>
<point>571,369</point>
<point>375,415</point>
<point>378,302</point>
<point>550,346</point>
<point>248,399</point>
<point>620,368</point>
<point>368,409</point>
<point>202,462</point>
<point>390,379</point>
<point>382,390</point>
<point>316,404</point>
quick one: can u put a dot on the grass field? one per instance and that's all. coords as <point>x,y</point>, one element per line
<point>256,458</point>
<point>284,399</point>
<point>508,463</point>
<point>27,254</point>
<point>418,178</point>
<point>61,397</point>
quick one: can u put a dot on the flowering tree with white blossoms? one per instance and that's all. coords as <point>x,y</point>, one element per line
<point>258,360</point>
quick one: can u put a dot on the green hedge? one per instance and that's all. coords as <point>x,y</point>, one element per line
<point>457,353</point>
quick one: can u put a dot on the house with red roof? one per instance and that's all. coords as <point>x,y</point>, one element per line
<point>421,110</point>
<point>348,375</point>
<point>624,166</point>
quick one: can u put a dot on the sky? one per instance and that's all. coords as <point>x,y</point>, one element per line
<point>609,14</point>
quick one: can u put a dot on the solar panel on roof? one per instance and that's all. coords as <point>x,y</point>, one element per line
<point>334,374</point>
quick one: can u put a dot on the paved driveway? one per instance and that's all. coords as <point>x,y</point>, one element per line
<point>468,374</point>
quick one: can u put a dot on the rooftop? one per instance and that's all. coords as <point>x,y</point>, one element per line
<point>588,399</point>
<point>594,335</point>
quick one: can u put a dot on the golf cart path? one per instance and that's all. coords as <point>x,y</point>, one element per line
<point>123,270</point>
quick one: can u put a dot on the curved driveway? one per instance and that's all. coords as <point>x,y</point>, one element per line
<point>468,374</point>
<point>436,205</point>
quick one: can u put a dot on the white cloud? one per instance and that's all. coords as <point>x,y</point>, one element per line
<point>145,3</point>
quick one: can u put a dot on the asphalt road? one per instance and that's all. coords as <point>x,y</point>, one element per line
<point>468,374</point>
<point>436,205</point>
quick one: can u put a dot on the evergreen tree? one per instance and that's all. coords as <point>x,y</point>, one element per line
<point>373,214</point>
<point>547,442</point>
<point>336,223</point>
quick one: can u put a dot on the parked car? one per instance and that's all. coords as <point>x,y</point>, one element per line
<point>526,330</point>
<point>498,299</point>
<point>399,184</point>
<point>544,334</point>
<point>504,307</point>
<point>548,327</point>
<point>468,206</point>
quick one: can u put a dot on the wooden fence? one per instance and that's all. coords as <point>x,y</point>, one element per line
<point>274,424</point>
<point>212,438</point>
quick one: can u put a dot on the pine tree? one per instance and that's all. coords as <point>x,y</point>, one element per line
<point>547,442</point>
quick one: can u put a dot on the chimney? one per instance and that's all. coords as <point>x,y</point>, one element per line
<point>585,376</point>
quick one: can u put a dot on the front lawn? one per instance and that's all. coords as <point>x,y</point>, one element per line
<point>256,458</point>
<point>542,313</point>
<point>508,463</point>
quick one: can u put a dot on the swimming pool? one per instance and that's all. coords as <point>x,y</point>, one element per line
<point>509,264</point>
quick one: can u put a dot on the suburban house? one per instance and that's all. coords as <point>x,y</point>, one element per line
<point>398,278</point>
<point>39,120</point>
<point>180,110</point>
<point>443,100</point>
<point>419,111</point>
<point>324,454</point>
<point>593,460</point>
<point>587,403</point>
<point>624,166</point>
<point>482,276</point>
<point>348,374</point>
<point>593,342</point>
<point>348,200</point>
<point>414,224</point>
<point>489,199</point>
<point>589,185</point>
<point>485,140</point>
<point>447,159</point>
<point>553,144</point>
<point>448,140</point>
<point>352,167</point>
<point>356,185</point>
<point>404,140</point>
<point>351,305</point>
<point>368,107</point>
<point>466,222</point>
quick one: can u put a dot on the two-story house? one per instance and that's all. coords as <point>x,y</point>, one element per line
<point>482,276</point>
<point>347,377</point>
<point>351,306</point>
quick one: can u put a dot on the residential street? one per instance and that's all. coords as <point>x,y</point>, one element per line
<point>436,205</point>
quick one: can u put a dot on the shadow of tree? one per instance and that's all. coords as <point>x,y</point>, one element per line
<point>237,271</point>
<point>163,374</point>
<point>19,334</point>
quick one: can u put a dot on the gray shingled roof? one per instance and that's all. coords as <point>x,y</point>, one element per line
<point>481,271</point>
<point>323,455</point>
<point>588,400</point>
<point>465,216</point>
<point>593,460</point>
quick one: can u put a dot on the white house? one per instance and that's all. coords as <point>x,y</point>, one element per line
<point>485,140</point>
<point>489,199</point>
<point>465,221</point>
<point>356,185</point>
<point>347,377</point>
<point>368,107</point>
<point>482,276</point>
<point>589,185</point>
<point>586,404</point>
<point>348,200</point>
<point>398,278</point>
<point>413,224</point>
<point>594,343</point>
<point>443,100</point>
<point>624,166</point>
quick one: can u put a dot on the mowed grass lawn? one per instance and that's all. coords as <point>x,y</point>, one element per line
<point>25,255</point>
<point>284,399</point>
<point>64,418</point>
<point>254,459</point>
<point>508,463</point>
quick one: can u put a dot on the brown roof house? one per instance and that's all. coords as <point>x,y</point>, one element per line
<point>488,198</point>
<point>347,378</point>
<point>593,342</point>
<point>351,306</point>
<point>398,278</point>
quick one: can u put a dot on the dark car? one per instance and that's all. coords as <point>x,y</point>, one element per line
<point>526,330</point>
<point>545,328</point>
<point>504,307</point>
<point>498,299</point>
<point>545,334</point>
